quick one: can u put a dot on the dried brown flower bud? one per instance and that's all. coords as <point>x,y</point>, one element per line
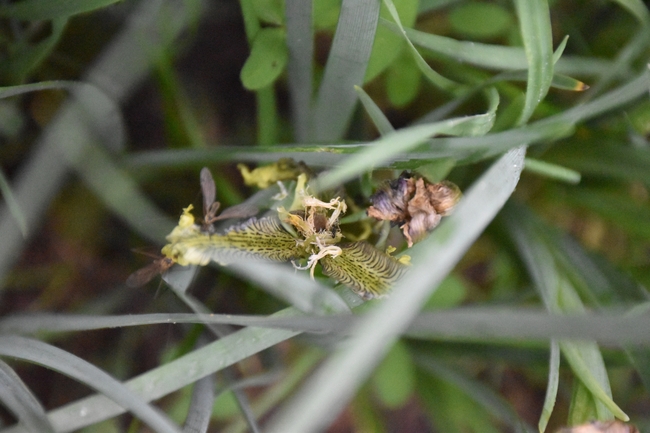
<point>414,203</point>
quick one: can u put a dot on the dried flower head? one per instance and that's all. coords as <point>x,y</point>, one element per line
<point>317,223</point>
<point>414,203</point>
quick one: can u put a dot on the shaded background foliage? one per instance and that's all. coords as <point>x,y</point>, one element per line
<point>573,238</point>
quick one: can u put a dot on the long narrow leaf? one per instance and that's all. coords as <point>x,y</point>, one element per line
<point>636,8</point>
<point>496,56</point>
<point>346,66</point>
<point>587,364</point>
<point>26,57</point>
<point>482,324</point>
<point>535,23</point>
<point>378,118</point>
<point>300,67</point>
<point>552,171</point>
<point>432,76</point>
<point>200,411</point>
<point>551,386</point>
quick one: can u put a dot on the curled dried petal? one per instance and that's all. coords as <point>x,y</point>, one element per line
<point>414,203</point>
<point>391,201</point>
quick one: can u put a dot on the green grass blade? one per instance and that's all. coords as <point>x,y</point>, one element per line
<point>636,8</point>
<point>200,411</point>
<point>535,24</point>
<point>483,324</point>
<point>567,83</point>
<point>389,146</point>
<point>12,205</point>
<point>497,57</point>
<point>606,159</point>
<point>328,390</point>
<point>49,9</point>
<point>552,171</point>
<point>300,41</point>
<point>587,364</point>
<point>433,76</point>
<point>26,57</point>
<point>551,386</point>
<point>380,121</point>
<point>462,324</point>
<point>78,369</point>
<point>20,401</point>
<point>388,46</point>
<point>346,66</point>
<point>557,54</point>
<point>623,63</point>
<point>474,53</point>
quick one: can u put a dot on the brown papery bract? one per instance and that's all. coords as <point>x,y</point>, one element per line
<point>414,203</point>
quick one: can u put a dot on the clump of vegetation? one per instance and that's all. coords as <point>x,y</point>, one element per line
<point>354,126</point>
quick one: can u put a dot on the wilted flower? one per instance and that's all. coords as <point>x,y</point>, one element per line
<point>414,203</point>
